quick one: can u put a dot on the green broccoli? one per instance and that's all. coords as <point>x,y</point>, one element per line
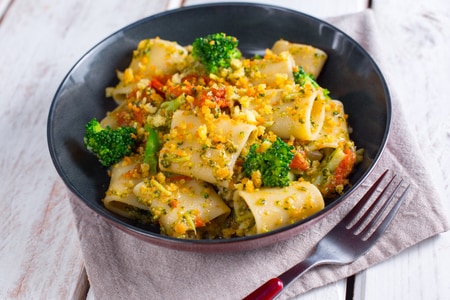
<point>301,77</point>
<point>215,51</point>
<point>273,164</point>
<point>109,145</point>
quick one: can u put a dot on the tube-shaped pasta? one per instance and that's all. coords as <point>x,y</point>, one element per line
<point>301,115</point>
<point>272,70</point>
<point>274,207</point>
<point>204,149</point>
<point>183,207</point>
<point>119,196</point>
<point>311,59</point>
<point>334,131</point>
<point>153,57</point>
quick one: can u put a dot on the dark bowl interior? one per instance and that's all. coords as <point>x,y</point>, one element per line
<point>350,74</point>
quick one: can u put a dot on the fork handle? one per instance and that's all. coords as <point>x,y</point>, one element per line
<point>274,286</point>
<point>267,291</point>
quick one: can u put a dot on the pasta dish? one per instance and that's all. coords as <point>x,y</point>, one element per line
<point>223,146</point>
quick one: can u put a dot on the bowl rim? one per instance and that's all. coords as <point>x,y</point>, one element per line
<point>218,245</point>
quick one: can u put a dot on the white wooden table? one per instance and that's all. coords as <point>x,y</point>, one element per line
<point>40,40</point>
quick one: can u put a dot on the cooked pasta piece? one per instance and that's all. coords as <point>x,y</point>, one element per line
<point>334,131</point>
<point>119,197</point>
<point>153,57</point>
<point>204,149</point>
<point>300,115</point>
<point>274,70</point>
<point>181,206</point>
<point>273,208</point>
<point>311,59</point>
<point>157,57</point>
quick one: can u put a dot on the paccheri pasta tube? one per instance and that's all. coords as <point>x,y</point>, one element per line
<point>223,145</point>
<point>202,148</point>
<point>119,197</point>
<point>267,209</point>
<point>181,206</point>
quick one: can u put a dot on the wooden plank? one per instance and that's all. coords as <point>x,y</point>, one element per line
<point>40,254</point>
<point>4,4</point>
<point>318,8</point>
<point>335,291</point>
<point>417,42</point>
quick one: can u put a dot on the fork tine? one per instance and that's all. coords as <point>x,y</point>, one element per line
<point>364,218</point>
<point>357,208</point>
<point>386,203</point>
<point>388,218</point>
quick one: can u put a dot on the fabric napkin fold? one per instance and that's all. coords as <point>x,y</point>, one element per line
<point>120,266</point>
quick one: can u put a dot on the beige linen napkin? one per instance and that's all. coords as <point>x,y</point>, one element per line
<point>120,266</point>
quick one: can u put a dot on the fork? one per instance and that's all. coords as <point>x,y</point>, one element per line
<point>348,240</point>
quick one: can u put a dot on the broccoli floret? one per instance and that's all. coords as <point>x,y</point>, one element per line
<point>301,78</point>
<point>215,51</point>
<point>273,163</point>
<point>109,145</point>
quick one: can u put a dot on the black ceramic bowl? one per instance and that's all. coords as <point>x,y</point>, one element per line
<point>350,74</point>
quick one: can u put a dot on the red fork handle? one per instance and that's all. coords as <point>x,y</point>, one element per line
<point>267,291</point>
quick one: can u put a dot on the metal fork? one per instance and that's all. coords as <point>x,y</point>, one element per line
<point>348,240</point>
